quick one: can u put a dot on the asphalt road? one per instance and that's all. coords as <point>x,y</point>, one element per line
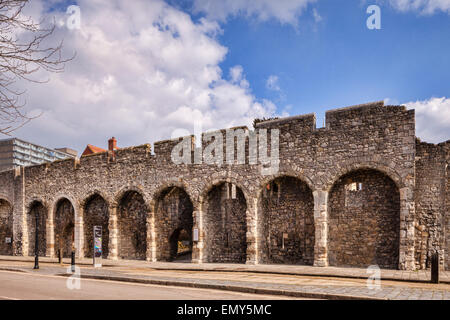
<point>17,285</point>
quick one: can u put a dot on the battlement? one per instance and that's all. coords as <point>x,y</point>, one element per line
<point>363,118</point>
<point>372,144</point>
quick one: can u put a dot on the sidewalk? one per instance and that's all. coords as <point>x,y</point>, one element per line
<point>295,281</point>
<point>355,273</point>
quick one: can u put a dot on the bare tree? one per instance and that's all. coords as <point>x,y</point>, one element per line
<point>22,53</point>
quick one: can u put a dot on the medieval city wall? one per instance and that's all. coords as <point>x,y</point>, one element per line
<point>140,196</point>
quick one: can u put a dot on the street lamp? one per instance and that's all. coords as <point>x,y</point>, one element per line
<point>36,244</point>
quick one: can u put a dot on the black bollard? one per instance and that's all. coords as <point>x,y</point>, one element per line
<point>435,268</point>
<point>73,261</point>
<point>59,256</point>
<point>36,244</point>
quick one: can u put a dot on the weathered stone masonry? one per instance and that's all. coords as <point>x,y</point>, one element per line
<point>361,191</point>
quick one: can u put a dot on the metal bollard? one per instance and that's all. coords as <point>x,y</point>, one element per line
<point>435,268</point>
<point>59,256</point>
<point>73,261</point>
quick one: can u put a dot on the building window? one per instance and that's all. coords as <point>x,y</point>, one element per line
<point>354,186</point>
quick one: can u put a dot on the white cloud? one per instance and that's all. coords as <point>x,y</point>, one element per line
<point>141,71</point>
<point>422,6</point>
<point>432,119</point>
<point>317,16</point>
<point>272,83</point>
<point>285,11</point>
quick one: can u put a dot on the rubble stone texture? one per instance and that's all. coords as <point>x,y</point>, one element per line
<point>286,208</point>
<point>6,227</point>
<point>96,213</point>
<point>310,211</point>
<point>37,210</point>
<point>132,221</point>
<point>364,224</point>
<point>64,227</point>
<point>225,224</point>
<point>173,215</point>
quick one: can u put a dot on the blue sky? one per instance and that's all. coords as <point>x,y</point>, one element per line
<point>339,61</point>
<point>149,70</point>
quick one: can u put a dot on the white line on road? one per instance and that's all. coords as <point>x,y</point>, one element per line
<point>150,285</point>
<point>7,298</point>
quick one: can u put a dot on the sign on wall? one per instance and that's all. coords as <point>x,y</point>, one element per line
<point>195,235</point>
<point>7,240</point>
<point>97,246</point>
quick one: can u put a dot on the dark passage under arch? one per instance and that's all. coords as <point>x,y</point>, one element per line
<point>172,215</point>
<point>96,213</point>
<point>132,224</point>
<point>64,227</point>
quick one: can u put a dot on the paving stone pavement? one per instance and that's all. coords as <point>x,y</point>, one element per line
<point>291,285</point>
<point>359,273</point>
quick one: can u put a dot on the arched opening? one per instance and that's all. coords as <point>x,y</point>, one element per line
<point>180,246</point>
<point>132,223</point>
<point>64,228</point>
<point>37,221</point>
<point>173,212</point>
<point>286,222</point>
<point>96,213</point>
<point>6,228</point>
<point>225,224</point>
<point>364,220</point>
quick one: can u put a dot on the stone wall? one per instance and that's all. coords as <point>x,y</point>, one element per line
<point>64,227</point>
<point>6,227</point>
<point>286,222</point>
<point>371,136</point>
<point>364,221</point>
<point>225,224</point>
<point>132,221</point>
<point>447,205</point>
<point>37,213</point>
<point>96,213</point>
<point>173,214</point>
<point>430,202</point>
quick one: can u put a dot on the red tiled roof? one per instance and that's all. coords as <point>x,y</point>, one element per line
<point>90,149</point>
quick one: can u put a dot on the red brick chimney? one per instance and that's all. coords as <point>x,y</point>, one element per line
<point>112,144</point>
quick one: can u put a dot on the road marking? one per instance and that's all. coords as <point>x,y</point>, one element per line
<point>157,285</point>
<point>7,298</point>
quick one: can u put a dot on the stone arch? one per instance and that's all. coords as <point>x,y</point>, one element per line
<point>37,209</point>
<point>221,177</point>
<point>64,226</point>
<point>173,210</point>
<point>96,213</point>
<point>225,222</point>
<point>364,220</point>
<point>6,227</point>
<point>161,188</point>
<point>132,213</point>
<point>285,227</point>
<point>6,198</point>
<point>284,173</point>
<point>96,192</point>
<point>353,165</point>
<point>130,188</point>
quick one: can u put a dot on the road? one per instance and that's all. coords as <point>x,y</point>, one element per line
<point>19,286</point>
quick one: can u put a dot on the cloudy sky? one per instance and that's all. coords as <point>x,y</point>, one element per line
<point>145,69</point>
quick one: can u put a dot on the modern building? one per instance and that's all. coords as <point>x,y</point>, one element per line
<point>15,152</point>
